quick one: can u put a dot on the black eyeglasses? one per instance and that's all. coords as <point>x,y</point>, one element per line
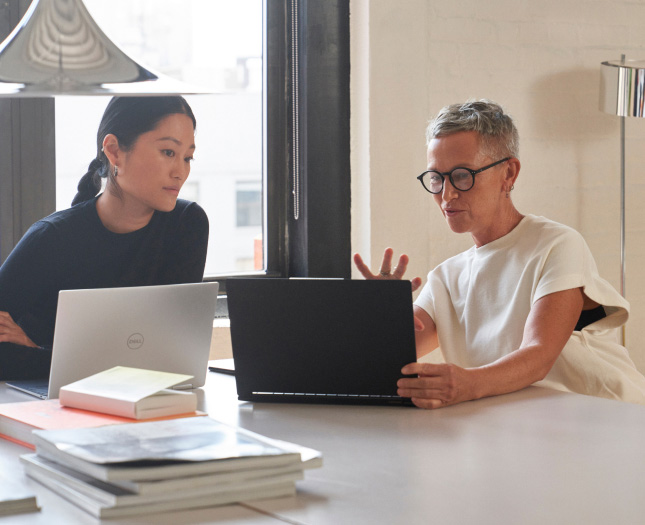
<point>461,178</point>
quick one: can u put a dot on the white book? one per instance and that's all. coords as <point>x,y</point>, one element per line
<point>167,449</point>
<point>166,486</point>
<point>103,510</point>
<point>130,392</point>
<point>15,498</point>
<point>111,495</point>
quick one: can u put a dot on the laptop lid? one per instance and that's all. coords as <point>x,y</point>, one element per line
<point>320,340</point>
<point>166,328</point>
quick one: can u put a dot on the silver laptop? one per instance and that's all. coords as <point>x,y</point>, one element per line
<point>166,328</point>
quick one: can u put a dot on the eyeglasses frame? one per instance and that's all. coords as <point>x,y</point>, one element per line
<point>449,175</point>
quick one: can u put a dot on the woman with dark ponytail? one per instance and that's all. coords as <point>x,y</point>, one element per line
<point>126,227</point>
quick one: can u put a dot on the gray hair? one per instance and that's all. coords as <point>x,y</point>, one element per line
<point>499,136</point>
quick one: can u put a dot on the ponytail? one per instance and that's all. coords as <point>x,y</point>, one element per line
<point>90,183</point>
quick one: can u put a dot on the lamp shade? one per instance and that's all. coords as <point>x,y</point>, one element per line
<point>58,49</point>
<point>622,86</point>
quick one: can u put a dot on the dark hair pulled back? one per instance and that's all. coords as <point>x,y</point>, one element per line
<point>126,118</point>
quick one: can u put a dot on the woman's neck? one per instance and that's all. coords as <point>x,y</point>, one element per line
<point>120,216</point>
<point>506,222</point>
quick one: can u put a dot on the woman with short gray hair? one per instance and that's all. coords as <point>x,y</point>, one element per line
<point>525,304</point>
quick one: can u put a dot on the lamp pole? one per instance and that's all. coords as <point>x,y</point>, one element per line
<point>622,203</point>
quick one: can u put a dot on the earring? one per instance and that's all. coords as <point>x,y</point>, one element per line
<point>116,171</point>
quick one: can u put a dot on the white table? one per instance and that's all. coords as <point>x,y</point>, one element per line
<point>535,456</point>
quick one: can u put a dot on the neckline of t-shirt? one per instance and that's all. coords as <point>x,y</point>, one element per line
<point>109,233</point>
<point>505,240</point>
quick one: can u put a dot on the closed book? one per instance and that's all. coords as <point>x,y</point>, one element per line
<point>15,498</point>
<point>18,420</point>
<point>44,471</point>
<point>130,392</point>
<point>167,449</point>
<point>174,485</point>
<point>98,507</point>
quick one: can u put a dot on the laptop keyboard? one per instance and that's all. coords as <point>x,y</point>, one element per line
<point>332,398</point>
<point>34,387</point>
<point>356,396</point>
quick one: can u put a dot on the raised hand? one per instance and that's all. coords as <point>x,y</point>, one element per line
<point>387,272</point>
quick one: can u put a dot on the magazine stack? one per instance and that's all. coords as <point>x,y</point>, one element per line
<point>150,467</point>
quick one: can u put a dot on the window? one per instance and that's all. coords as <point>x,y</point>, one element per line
<point>248,205</point>
<point>303,110</point>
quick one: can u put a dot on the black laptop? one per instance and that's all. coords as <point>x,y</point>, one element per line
<point>320,340</point>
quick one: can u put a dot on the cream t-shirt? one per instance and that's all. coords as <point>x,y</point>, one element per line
<point>481,298</point>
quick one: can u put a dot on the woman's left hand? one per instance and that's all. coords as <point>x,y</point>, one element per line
<point>10,332</point>
<point>437,385</point>
<point>386,272</point>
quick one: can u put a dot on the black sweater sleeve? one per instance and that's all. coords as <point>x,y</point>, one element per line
<point>26,280</point>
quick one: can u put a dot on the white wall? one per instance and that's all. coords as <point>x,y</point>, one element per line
<point>541,60</point>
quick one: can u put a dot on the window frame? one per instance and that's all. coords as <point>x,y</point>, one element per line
<point>27,149</point>
<point>306,90</point>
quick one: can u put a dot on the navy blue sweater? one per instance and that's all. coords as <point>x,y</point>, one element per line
<point>71,249</point>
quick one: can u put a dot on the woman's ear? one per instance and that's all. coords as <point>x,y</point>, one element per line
<point>513,170</point>
<point>111,148</point>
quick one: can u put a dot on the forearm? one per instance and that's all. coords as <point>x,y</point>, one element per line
<point>547,330</point>
<point>438,385</point>
<point>512,372</point>
<point>425,332</point>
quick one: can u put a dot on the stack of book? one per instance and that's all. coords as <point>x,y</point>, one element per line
<point>115,396</point>
<point>148,467</point>
<point>19,420</point>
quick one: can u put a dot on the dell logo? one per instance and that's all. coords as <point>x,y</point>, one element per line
<point>135,341</point>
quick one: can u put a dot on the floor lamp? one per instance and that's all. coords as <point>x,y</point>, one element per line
<point>622,85</point>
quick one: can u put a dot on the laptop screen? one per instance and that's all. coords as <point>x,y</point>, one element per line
<point>166,328</point>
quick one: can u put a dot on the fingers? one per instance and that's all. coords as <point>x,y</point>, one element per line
<point>386,264</point>
<point>430,389</point>
<point>401,267</point>
<point>386,271</point>
<point>6,320</point>
<point>423,393</point>
<point>362,267</point>
<point>424,369</point>
<point>428,404</point>
<point>10,332</point>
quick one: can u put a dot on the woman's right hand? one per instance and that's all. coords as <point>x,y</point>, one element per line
<point>386,272</point>
<point>10,332</point>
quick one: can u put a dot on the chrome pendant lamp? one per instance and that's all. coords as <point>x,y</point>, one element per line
<point>58,49</point>
<point>622,93</point>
